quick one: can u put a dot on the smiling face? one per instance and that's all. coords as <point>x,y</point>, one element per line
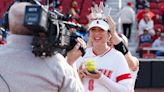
<point>147,17</point>
<point>99,37</point>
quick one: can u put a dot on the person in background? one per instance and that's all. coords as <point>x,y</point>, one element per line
<point>56,3</point>
<point>146,37</point>
<point>73,15</point>
<point>60,8</point>
<point>75,6</point>
<point>162,10</point>
<point>140,14</point>
<point>157,19</point>
<point>147,23</point>
<point>127,15</point>
<point>157,34</point>
<point>29,69</point>
<point>159,43</point>
<point>141,4</point>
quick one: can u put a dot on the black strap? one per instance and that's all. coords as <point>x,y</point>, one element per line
<point>121,47</point>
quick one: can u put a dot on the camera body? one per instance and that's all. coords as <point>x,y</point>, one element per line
<point>56,30</point>
<point>35,18</point>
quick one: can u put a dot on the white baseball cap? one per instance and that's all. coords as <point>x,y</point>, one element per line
<point>99,23</point>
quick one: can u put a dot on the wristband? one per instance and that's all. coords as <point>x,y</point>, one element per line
<point>121,47</point>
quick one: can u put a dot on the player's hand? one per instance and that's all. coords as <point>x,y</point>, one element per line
<point>112,24</point>
<point>81,72</point>
<point>115,37</point>
<point>95,75</point>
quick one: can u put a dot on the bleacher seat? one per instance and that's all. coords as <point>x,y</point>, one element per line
<point>157,20</point>
<point>156,11</point>
<point>66,5</point>
<point>1,5</point>
<point>148,55</point>
<point>145,45</point>
<point>160,5</point>
<point>153,5</point>
<point>156,26</point>
<point>80,2</point>
<point>157,1</point>
<point>98,1</point>
<point>141,46</point>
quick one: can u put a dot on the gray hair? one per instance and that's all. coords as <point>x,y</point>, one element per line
<point>16,18</point>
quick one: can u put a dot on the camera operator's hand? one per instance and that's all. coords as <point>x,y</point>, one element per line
<point>75,53</point>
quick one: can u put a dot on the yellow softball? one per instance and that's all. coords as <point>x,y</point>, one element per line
<point>90,65</point>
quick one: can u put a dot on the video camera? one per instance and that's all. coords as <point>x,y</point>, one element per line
<point>39,20</point>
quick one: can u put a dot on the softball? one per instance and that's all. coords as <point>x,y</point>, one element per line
<point>90,65</point>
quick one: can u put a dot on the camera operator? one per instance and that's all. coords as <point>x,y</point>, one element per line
<point>22,71</point>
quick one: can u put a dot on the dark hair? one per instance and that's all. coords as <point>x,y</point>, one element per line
<point>42,45</point>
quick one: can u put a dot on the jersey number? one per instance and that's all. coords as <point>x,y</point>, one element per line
<point>91,85</point>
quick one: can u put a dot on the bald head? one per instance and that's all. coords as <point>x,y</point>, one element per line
<point>16,19</point>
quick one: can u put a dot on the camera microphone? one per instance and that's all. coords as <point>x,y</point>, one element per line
<point>72,24</point>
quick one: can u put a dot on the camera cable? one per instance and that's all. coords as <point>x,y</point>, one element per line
<point>3,79</point>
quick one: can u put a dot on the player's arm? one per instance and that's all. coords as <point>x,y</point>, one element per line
<point>123,78</point>
<point>132,62</point>
<point>123,81</point>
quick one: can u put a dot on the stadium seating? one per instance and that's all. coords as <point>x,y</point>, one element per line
<point>148,55</point>
<point>66,5</point>
<point>157,1</point>
<point>85,11</point>
<point>160,5</point>
<point>145,45</point>
<point>156,11</point>
<point>98,1</point>
<point>80,2</point>
<point>156,26</point>
<point>153,5</point>
<point>4,4</point>
<point>141,46</point>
